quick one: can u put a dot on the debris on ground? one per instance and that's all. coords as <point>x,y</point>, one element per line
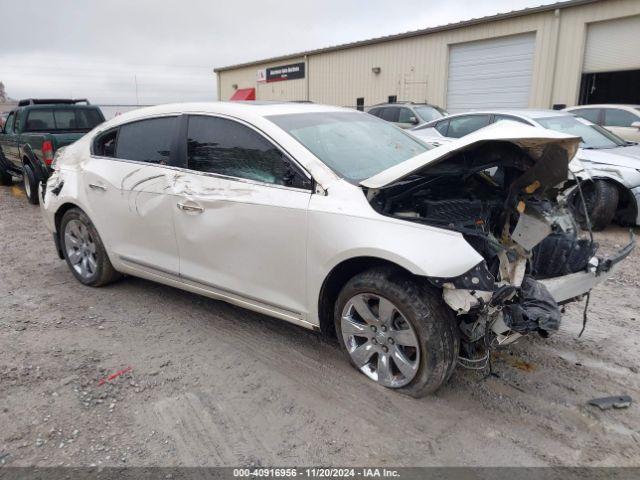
<point>114,376</point>
<point>605,403</point>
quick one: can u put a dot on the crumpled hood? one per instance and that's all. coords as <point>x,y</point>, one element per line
<point>619,156</point>
<point>531,139</point>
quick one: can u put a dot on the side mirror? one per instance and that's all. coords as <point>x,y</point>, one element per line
<point>413,120</point>
<point>636,125</point>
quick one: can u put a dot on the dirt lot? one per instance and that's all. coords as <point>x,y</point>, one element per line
<point>213,384</point>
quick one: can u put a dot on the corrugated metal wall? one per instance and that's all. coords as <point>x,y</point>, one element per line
<point>417,68</point>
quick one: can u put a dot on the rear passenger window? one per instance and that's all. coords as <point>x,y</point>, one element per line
<point>105,144</point>
<point>40,120</point>
<point>225,147</point>
<point>146,140</point>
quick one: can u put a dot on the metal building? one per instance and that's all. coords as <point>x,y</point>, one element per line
<point>568,53</point>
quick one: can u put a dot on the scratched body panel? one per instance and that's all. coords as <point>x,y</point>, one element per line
<point>141,198</point>
<point>249,237</point>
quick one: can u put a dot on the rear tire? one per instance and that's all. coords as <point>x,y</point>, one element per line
<point>84,251</point>
<point>421,312</point>
<point>30,184</point>
<point>601,198</point>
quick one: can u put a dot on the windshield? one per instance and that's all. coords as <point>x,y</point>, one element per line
<point>592,135</point>
<point>428,113</point>
<point>354,145</point>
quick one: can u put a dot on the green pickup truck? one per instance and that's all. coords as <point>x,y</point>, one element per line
<point>34,131</point>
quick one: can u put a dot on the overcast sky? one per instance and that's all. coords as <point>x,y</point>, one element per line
<point>101,49</point>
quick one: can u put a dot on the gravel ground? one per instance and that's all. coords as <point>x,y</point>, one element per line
<point>212,384</point>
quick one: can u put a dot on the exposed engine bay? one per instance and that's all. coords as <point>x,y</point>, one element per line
<point>507,206</point>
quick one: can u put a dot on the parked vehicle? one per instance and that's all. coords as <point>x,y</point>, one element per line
<point>608,166</point>
<point>623,120</point>
<point>407,114</point>
<point>334,220</point>
<point>34,131</point>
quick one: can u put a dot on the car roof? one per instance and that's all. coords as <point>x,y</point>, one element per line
<point>243,109</point>
<point>402,104</point>
<point>528,113</point>
<point>606,105</point>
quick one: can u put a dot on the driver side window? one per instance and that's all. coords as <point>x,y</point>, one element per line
<point>225,147</point>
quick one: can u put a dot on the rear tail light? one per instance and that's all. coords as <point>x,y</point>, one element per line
<point>47,152</point>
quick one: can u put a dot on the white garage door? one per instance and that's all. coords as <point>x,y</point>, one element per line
<point>492,73</point>
<point>612,45</point>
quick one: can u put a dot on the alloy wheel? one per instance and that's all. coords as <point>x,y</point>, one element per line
<point>27,186</point>
<point>80,248</point>
<point>380,340</point>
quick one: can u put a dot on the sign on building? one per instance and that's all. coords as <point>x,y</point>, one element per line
<point>285,72</point>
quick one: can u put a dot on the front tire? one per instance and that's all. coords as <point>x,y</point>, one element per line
<point>84,251</point>
<point>30,184</point>
<point>5,177</point>
<point>397,331</point>
<point>601,198</point>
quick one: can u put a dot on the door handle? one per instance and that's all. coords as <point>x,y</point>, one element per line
<point>190,208</point>
<point>95,186</point>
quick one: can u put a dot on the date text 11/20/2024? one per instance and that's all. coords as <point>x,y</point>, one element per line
<point>316,472</point>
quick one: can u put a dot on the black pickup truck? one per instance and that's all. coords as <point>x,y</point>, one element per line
<point>34,131</point>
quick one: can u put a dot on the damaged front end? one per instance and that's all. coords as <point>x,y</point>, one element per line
<point>503,196</point>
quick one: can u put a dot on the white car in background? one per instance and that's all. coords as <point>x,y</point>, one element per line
<point>623,120</point>
<point>333,220</point>
<point>608,165</point>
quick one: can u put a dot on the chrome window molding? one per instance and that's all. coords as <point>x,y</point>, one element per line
<point>210,174</point>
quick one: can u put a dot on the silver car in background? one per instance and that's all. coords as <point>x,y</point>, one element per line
<point>407,114</point>
<point>623,120</point>
<point>608,166</point>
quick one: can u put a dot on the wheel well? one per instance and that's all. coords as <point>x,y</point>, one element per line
<point>627,210</point>
<point>60,213</point>
<point>337,278</point>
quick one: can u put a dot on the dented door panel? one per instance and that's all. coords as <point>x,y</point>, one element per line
<point>243,238</point>
<point>132,207</point>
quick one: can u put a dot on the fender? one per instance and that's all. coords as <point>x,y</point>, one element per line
<point>39,169</point>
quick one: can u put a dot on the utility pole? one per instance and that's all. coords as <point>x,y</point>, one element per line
<point>135,79</point>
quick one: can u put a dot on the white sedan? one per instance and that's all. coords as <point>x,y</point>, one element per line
<point>623,120</point>
<point>333,220</point>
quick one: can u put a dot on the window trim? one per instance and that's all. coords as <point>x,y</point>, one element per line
<point>172,152</point>
<point>180,138</point>
<point>183,142</point>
